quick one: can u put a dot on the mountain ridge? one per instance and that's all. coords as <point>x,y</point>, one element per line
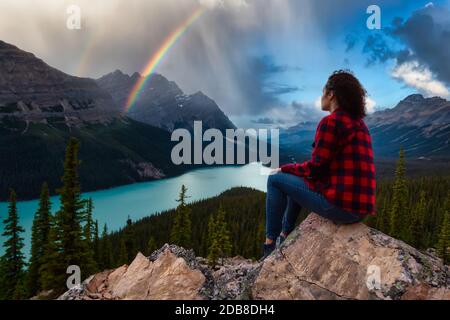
<point>420,125</point>
<point>33,91</point>
<point>161,103</point>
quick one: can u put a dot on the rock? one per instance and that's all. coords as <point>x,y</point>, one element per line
<point>322,260</point>
<point>319,261</point>
<point>170,273</point>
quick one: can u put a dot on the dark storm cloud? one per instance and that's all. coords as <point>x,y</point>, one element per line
<point>255,79</point>
<point>425,37</point>
<point>377,49</point>
<point>427,34</point>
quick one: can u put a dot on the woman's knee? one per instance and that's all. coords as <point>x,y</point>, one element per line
<point>274,178</point>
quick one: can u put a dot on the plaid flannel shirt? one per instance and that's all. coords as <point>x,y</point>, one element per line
<point>342,167</point>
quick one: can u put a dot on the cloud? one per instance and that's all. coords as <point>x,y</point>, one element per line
<point>421,78</point>
<point>377,49</point>
<point>427,34</point>
<point>370,105</point>
<point>422,61</point>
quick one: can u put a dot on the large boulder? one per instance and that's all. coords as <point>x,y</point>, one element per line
<point>322,260</point>
<point>170,273</point>
<point>319,260</point>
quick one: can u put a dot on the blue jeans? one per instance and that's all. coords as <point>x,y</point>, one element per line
<point>287,195</point>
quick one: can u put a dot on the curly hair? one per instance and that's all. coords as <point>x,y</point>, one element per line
<point>349,92</point>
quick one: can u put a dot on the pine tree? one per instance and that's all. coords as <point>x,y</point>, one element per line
<point>52,272</point>
<point>123,254</point>
<point>220,239</point>
<point>151,246</point>
<point>105,260</point>
<point>69,220</point>
<point>88,228</point>
<point>90,265</point>
<point>96,243</point>
<point>181,233</point>
<point>417,221</point>
<point>398,210</point>
<point>129,240</point>
<point>3,279</point>
<point>13,257</point>
<point>39,240</point>
<point>443,246</point>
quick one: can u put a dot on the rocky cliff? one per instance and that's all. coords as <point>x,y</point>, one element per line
<point>320,260</point>
<point>32,91</point>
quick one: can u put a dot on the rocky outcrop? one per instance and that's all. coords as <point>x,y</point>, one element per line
<point>320,260</point>
<point>171,273</point>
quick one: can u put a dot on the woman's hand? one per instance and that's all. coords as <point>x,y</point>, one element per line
<point>275,171</point>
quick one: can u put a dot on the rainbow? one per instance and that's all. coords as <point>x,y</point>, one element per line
<point>83,65</point>
<point>158,56</point>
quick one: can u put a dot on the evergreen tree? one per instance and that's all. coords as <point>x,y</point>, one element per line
<point>151,246</point>
<point>181,233</point>
<point>96,243</point>
<point>220,239</point>
<point>443,246</point>
<point>52,272</point>
<point>3,279</point>
<point>88,229</point>
<point>398,210</point>
<point>39,240</point>
<point>90,265</point>
<point>129,240</point>
<point>13,258</point>
<point>383,218</point>
<point>105,260</point>
<point>123,254</point>
<point>69,219</point>
<point>417,221</point>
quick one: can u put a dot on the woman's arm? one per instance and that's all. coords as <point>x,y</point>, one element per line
<point>326,145</point>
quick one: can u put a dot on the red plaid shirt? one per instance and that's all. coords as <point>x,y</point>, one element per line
<point>341,167</point>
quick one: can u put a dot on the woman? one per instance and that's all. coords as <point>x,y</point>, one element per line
<point>338,182</point>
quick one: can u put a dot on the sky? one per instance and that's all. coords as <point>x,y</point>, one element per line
<point>264,62</point>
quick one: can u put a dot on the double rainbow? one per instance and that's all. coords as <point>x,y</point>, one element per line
<point>158,56</point>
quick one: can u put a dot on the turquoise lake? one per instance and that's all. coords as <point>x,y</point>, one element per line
<point>113,206</point>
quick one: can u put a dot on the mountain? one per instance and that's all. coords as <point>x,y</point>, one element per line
<point>163,104</point>
<point>421,125</point>
<point>319,261</point>
<point>32,91</point>
<point>42,107</point>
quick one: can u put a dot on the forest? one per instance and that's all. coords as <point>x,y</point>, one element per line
<point>415,210</point>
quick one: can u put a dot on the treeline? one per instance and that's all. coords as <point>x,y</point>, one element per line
<point>67,238</point>
<point>414,210</point>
